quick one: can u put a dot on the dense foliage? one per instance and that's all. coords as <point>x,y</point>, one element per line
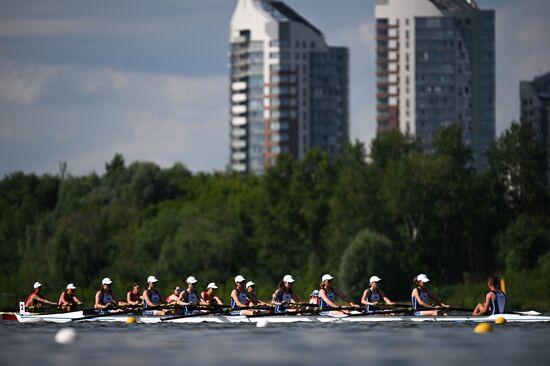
<point>395,213</point>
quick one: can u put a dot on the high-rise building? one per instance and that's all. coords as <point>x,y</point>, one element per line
<point>289,89</point>
<point>436,66</point>
<point>535,108</point>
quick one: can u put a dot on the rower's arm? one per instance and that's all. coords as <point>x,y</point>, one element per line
<point>218,300</point>
<point>43,300</point>
<point>420,301</point>
<point>98,304</point>
<point>235,298</point>
<point>323,295</point>
<point>344,297</point>
<point>77,300</point>
<point>147,299</point>
<point>487,304</point>
<point>365,298</point>
<point>295,297</point>
<point>386,299</point>
<point>274,298</point>
<point>436,299</point>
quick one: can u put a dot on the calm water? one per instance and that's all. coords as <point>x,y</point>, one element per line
<point>279,344</point>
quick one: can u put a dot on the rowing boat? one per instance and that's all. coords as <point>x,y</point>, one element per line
<point>237,319</point>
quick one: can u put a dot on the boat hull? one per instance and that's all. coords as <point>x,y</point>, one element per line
<point>227,319</point>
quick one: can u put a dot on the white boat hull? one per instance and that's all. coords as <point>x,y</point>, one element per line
<point>227,319</point>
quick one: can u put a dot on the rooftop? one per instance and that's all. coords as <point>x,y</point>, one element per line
<point>282,9</point>
<point>455,5</point>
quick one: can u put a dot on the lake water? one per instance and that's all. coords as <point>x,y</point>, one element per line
<point>277,344</point>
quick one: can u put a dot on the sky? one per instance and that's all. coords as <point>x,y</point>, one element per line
<point>83,80</point>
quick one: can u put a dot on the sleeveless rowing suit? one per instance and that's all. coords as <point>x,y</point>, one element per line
<point>282,296</point>
<point>104,299</point>
<point>191,298</point>
<point>323,305</point>
<point>32,302</point>
<point>155,299</point>
<point>372,297</point>
<point>424,296</point>
<point>242,299</point>
<point>498,305</point>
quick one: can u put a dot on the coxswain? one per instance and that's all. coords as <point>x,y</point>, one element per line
<point>152,298</point>
<point>420,297</point>
<point>174,296</point>
<point>239,298</point>
<point>68,300</point>
<point>284,295</point>
<point>133,296</point>
<point>328,295</point>
<point>374,295</point>
<point>209,296</point>
<point>314,297</point>
<point>35,300</point>
<point>495,300</point>
<point>104,298</point>
<point>252,298</point>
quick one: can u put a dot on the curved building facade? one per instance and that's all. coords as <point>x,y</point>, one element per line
<point>289,89</point>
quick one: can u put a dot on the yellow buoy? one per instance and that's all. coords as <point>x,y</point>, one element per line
<point>500,320</point>
<point>483,328</point>
<point>131,320</point>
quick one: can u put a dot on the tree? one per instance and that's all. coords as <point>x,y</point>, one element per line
<point>517,162</point>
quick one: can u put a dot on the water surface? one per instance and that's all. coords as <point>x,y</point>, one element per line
<point>278,344</point>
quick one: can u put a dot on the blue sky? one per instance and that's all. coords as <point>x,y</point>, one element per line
<point>83,80</point>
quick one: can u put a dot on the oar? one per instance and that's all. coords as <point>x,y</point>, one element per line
<point>287,313</point>
<point>104,315</point>
<point>215,311</point>
<point>394,311</point>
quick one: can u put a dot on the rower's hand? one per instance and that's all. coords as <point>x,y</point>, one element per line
<point>445,306</point>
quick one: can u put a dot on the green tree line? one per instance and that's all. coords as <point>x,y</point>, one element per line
<point>395,212</point>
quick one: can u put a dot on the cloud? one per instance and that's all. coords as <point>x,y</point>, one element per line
<point>164,118</point>
<point>23,84</point>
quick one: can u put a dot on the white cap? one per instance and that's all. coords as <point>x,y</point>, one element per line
<point>239,278</point>
<point>374,279</point>
<point>288,278</point>
<point>326,277</point>
<point>191,279</point>
<point>314,293</point>
<point>249,284</point>
<point>422,277</point>
<point>71,286</point>
<point>106,281</point>
<point>37,285</point>
<point>212,285</point>
<point>152,279</point>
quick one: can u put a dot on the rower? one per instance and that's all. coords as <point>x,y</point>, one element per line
<point>327,296</point>
<point>35,300</point>
<point>133,297</point>
<point>495,300</point>
<point>151,298</point>
<point>174,296</point>
<point>420,297</point>
<point>239,298</point>
<point>68,300</point>
<point>104,298</point>
<point>284,295</point>
<point>189,298</point>
<point>372,296</point>
<point>252,298</point>
<point>314,297</point>
<point>209,296</point>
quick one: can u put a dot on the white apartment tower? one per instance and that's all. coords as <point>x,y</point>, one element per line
<point>436,66</point>
<point>289,89</point>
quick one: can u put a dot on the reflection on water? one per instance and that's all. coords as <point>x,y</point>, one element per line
<point>278,344</point>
